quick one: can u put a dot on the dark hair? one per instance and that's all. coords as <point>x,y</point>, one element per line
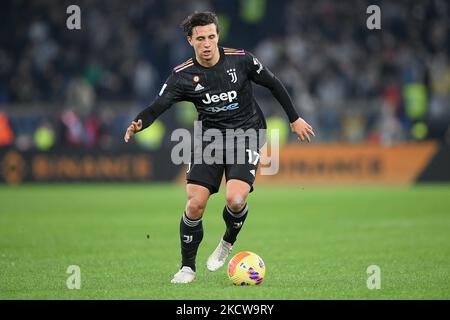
<point>199,19</point>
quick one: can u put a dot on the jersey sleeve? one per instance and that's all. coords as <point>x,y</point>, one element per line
<point>263,76</point>
<point>170,92</point>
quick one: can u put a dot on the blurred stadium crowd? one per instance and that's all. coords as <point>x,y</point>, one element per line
<point>80,88</point>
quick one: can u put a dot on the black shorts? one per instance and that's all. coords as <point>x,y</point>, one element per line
<point>210,175</point>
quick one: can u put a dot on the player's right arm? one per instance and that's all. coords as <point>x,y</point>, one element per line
<point>170,93</point>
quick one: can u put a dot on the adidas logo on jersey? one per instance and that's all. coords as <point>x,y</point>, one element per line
<point>199,87</point>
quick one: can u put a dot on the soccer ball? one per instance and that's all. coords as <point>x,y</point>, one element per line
<point>246,268</point>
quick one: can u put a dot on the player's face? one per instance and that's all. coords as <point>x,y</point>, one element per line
<point>204,40</point>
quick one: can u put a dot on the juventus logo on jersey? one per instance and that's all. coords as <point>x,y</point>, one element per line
<point>232,73</point>
<point>187,239</point>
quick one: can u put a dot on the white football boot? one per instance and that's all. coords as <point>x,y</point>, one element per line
<point>185,275</point>
<point>217,259</point>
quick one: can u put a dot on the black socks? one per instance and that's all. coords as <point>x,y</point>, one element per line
<point>234,222</point>
<point>191,234</point>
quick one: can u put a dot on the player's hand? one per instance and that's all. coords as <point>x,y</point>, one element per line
<point>302,129</point>
<point>134,127</point>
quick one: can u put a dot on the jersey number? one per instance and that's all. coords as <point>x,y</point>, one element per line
<point>253,156</point>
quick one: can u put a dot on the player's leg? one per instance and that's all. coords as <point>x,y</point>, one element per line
<point>191,227</point>
<point>236,208</point>
<point>191,231</point>
<point>240,178</point>
<point>234,215</point>
<point>203,180</point>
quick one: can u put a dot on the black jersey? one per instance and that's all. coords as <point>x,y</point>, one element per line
<point>222,94</point>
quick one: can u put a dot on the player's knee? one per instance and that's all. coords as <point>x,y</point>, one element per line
<point>195,208</point>
<point>236,201</point>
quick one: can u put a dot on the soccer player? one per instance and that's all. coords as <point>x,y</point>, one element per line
<point>217,81</point>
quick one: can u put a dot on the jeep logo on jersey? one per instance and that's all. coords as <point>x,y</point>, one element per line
<point>224,96</point>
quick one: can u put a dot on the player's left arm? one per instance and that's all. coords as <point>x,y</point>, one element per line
<point>264,77</point>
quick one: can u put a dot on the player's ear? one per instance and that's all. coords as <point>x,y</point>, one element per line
<point>189,39</point>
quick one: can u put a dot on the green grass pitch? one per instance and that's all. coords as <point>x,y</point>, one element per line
<point>316,242</point>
